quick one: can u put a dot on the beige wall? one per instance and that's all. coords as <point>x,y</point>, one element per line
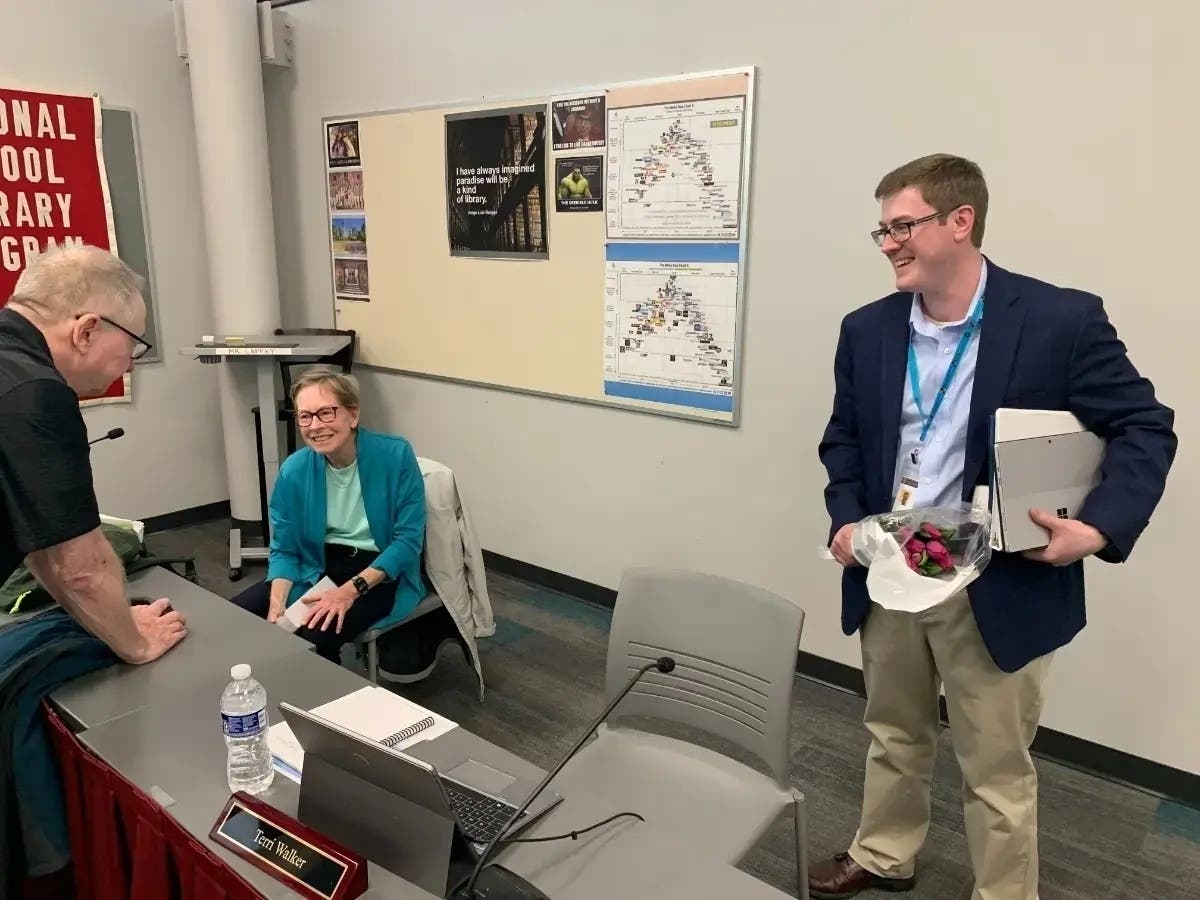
<point>1082,114</point>
<point>171,457</point>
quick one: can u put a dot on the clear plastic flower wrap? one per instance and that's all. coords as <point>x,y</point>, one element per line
<point>917,558</point>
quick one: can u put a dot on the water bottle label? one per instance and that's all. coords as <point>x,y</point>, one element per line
<point>244,726</point>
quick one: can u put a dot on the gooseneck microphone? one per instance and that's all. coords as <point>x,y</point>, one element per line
<point>112,435</point>
<point>497,882</point>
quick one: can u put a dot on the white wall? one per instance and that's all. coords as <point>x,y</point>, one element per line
<point>170,458</point>
<point>1084,118</point>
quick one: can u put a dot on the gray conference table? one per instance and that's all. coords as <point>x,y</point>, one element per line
<point>195,672</point>
<point>158,726</point>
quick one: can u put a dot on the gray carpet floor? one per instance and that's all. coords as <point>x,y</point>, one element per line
<point>544,670</point>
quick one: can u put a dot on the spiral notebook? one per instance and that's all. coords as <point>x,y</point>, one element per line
<point>373,712</point>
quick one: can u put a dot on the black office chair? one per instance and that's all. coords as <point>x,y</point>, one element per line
<point>343,359</point>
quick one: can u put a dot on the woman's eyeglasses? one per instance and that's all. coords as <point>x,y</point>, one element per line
<point>324,414</point>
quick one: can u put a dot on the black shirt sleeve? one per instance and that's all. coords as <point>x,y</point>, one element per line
<point>45,465</point>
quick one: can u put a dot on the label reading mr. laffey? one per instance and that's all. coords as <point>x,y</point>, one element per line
<point>290,855</point>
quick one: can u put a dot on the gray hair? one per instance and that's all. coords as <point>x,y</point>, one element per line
<point>66,281</point>
<point>344,387</point>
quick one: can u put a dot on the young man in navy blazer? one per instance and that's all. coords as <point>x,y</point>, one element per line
<point>984,338</point>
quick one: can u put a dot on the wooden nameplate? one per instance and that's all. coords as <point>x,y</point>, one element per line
<point>306,861</point>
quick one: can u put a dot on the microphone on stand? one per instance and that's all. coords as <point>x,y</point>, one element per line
<point>112,435</point>
<point>498,883</point>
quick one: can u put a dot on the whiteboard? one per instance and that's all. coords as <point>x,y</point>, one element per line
<point>569,323</point>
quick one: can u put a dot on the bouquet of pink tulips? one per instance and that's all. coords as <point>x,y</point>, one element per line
<point>927,550</point>
<point>919,557</point>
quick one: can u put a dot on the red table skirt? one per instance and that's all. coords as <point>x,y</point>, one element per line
<point>124,845</point>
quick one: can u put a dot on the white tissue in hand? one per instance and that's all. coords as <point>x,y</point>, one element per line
<point>296,615</point>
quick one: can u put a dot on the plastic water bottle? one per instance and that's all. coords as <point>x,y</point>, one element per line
<point>244,721</point>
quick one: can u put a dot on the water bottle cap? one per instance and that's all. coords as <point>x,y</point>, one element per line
<point>240,672</point>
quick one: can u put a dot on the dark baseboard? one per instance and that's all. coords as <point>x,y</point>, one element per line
<point>827,671</point>
<point>1116,765</point>
<point>1054,746</point>
<point>196,515</point>
<point>1077,753</point>
<point>555,581</point>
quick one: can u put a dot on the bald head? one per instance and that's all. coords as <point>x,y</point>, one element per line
<point>67,281</point>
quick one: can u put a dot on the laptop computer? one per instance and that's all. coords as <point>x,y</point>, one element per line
<point>451,777</point>
<point>1053,472</point>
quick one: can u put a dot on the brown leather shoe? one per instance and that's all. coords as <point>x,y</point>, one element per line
<point>841,877</point>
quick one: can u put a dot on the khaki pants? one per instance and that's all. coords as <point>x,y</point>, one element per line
<point>993,718</point>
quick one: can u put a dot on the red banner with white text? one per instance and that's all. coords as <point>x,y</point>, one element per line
<point>53,188</point>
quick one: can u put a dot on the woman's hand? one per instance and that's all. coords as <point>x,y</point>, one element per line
<point>280,588</point>
<point>331,606</point>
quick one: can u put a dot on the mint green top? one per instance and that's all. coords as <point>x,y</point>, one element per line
<point>345,516</point>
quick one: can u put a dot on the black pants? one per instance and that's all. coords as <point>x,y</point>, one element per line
<point>341,564</point>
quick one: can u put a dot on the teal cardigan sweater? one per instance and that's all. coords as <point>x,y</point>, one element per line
<point>393,497</point>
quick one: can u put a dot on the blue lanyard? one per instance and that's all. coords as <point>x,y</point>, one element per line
<point>914,374</point>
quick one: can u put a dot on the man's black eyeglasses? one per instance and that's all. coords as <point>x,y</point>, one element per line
<point>140,346</point>
<point>901,231</point>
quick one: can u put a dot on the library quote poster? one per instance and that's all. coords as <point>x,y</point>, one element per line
<point>496,182</point>
<point>53,188</point>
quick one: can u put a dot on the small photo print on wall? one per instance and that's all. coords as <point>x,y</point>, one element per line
<point>578,122</point>
<point>341,144</point>
<point>350,279</point>
<point>579,184</point>
<point>346,190</point>
<point>349,236</point>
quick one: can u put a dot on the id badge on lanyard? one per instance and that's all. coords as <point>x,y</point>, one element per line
<point>910,461</point>
<point>910,479</point>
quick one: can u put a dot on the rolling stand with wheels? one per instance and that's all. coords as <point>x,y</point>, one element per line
<point>239,550</point>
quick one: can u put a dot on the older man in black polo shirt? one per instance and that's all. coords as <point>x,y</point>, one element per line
<point>69,330</point>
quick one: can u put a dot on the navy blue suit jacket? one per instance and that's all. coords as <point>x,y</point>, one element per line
<point>1040,347</point>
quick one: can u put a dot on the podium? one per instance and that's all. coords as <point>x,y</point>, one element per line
<point>263,352</point>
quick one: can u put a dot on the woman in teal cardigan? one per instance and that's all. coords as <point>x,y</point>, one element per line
<point>350,505</point>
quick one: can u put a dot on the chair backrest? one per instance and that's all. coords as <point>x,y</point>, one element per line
<point>734,647</point>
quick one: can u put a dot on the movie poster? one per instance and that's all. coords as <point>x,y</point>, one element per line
<point>496,183</point>
<point>578,123</point>
<point>580,183</point>
<point>341,144</point>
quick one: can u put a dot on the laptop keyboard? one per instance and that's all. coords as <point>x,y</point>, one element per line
<point>482,816</point>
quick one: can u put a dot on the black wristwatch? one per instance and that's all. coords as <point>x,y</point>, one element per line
<point>360,584</point>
